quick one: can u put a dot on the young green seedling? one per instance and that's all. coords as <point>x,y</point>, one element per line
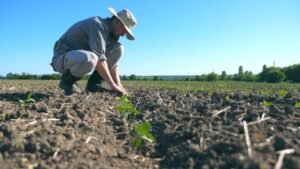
<point>126,108</point>
<point>141,131</point>
<point>282,92</point>
<point>297,105</point>
<point>227,97</point>
<point>267,104</point>
<point>28,100</point>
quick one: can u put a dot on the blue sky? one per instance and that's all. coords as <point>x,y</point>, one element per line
<point>173,37</point>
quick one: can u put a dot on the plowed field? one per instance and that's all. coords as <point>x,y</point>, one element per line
<point>195,129</point>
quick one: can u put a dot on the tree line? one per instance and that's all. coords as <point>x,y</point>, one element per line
<point>268,74</point>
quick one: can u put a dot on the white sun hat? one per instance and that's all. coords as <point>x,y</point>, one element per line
<point>128,20</point>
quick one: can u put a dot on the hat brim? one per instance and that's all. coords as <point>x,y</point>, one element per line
<point>129,34</point>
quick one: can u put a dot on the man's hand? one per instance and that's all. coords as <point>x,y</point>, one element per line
<point>116,77</point>
<point>118,89</point>
<point>112,80</point>
<point>124,91</point>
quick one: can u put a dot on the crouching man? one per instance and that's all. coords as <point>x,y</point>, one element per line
<point>92,44</point>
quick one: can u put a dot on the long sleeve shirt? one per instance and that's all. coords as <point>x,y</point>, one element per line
<point>93,34</point>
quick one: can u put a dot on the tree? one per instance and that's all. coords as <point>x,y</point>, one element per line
<point>188,79</point>
<point>249,77</point>
<point>292,73</point>
<point>274,75</point>
<point>197,78</point>
<point>13,76</point>
<point>241,71</point>
<point>156,78</point>
<point>264,68</point>
<point>54,76</point>
<point>223,75</point>
<point>124,77</point>
<point>132,77</point>
<point>262,75</point>
<point>211,77</point>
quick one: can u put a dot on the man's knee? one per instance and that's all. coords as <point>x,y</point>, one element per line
<point>92,60</point>
<point>83,62</point>
<point>88,63</point>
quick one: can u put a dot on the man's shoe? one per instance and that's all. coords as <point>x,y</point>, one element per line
<point>69,89</point>
<point>94,83</point>
<point>68,83</point>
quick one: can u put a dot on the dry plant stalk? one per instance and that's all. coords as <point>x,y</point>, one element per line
<point>201,143</point>
<point>21,120</point>
<point>138,102</point>
<point>221,111</point>
<point>88,97</point>
<point>56,153</point>
<point>248,143</point>
<point>267,142</point>
<point>50,119</point>
<point>159,99</point>
<point>282,153</point>
<point>182,104</point>
<point>43,120</point>
<point>229,133</point>
<point>259,121</point>
<point>110,112</point>
<point>31,123</point>
<point>104,118</point>
<point>69,115</point>
<point>28,133</point>
<point>89,139</point>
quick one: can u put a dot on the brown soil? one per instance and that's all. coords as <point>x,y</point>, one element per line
<point>85,131</point>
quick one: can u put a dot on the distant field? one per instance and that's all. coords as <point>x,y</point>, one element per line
<point>201,85</point>
<point>266,89</point>
<point>229,86</point>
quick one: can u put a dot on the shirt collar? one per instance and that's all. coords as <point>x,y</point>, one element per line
<point>108,27</point>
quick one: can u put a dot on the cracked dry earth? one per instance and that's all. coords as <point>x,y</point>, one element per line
<point>192,130</point>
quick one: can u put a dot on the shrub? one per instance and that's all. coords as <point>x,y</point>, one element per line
<point>274,75</point>
<point>292,73</point>
<point>212,77</point>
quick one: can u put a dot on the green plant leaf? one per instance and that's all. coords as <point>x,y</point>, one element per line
<point>297,105</point>
<point>267,104</point>
<point>282,92</point>
<point>137,141</point>
<point>142,130</point>
<point>21,102</point>
<point>26,101</point>
<point>227,97</point>
<point>126,108</point>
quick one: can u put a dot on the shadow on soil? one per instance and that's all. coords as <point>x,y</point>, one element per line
<point>14,97</point>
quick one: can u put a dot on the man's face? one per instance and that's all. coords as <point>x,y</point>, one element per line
<point>119,28</point>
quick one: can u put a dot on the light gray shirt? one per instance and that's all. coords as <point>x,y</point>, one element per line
<point>93,34</point>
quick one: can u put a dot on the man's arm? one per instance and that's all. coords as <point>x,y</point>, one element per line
<point>116,77</point>
<point>103,71</point>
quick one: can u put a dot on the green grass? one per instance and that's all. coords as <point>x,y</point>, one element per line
<point>227,86</point>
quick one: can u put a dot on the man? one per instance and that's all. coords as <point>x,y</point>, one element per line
<point>92,44</point>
